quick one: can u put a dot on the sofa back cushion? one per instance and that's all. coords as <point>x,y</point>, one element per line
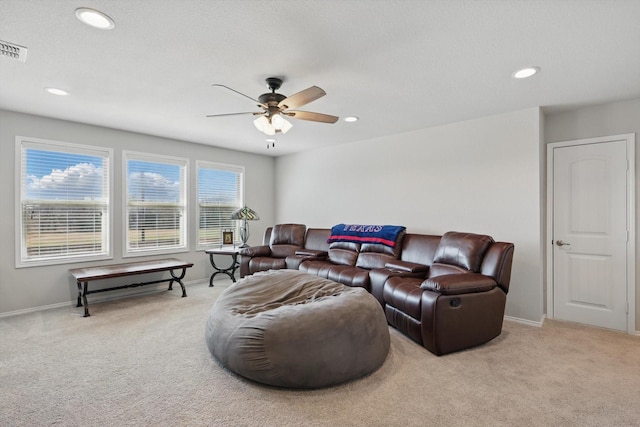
<point>317,239</point>
<point>267,236</point>
<point>344,253</point>
<point>286,239</point>
<point>419,248</point>
<point>375,255</point>
<point>497,263</point>
<point>465,250</point>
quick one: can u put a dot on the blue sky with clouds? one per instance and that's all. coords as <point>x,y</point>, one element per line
<point>54,175</point>
<point>150,181</point>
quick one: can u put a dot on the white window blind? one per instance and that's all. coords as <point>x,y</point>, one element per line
<point>220,192</point>
<point>64,202</point>
<point>155,203</point>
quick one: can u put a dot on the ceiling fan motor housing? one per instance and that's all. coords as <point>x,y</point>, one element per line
<point>271,99</point>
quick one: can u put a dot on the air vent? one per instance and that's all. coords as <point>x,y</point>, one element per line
<point>13,51</point>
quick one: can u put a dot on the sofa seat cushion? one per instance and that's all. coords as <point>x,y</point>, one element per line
<point>266,263</point>
<point>318,268</point>
<point>349,275</point>
<point>405,295</point>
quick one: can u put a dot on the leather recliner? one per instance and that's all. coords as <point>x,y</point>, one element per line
<point>283,241</point>
<point>461,302</point>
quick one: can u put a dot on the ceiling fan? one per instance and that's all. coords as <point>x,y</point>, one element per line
<point>275,107</point>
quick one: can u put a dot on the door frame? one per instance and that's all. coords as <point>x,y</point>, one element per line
<point>631,221</point>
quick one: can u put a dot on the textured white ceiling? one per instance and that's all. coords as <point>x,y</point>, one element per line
<point>399,65</point>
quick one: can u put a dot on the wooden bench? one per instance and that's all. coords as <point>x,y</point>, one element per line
<point>88,274</point>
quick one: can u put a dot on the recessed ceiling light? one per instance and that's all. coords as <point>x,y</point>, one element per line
<point>56,91</point>
<point>525,72</point>
<point>95,18</point>
<point>351,119</point>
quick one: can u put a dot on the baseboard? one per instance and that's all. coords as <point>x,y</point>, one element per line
<point>98,298</point>
<point>34,309</point>
<point>526,321</point>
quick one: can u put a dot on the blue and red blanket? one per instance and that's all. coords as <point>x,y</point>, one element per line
<point>355,233</point>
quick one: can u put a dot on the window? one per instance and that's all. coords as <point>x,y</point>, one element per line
<point>220,190</point>
<point>155,204</point>
<point>64,202</point>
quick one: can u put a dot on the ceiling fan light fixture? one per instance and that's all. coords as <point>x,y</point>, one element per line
<point>277,121</point>
<point>271,125</point>
<point>260,123</point>
<point>286,126</point>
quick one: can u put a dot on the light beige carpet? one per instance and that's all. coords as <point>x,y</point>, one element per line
<point>143,361</point>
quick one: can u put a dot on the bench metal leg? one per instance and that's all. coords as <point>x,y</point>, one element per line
<point>83,294</point>
<point>174,278</point>
<point>79,304</point>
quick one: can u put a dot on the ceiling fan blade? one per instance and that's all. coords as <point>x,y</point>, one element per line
<point>314,117</point>
<point>302,98</point>
<point>260,104</point>
<point>236,114</point>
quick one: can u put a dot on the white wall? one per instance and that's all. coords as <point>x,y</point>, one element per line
<point>481,176</point>
<point>27,288</point>
<point>600,120</point>
<point>484,175</point>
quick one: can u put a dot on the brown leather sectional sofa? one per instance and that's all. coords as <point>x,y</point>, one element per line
<point>447,292</point>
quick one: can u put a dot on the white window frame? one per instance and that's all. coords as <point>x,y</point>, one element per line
<point>23,143</point>
<point>201,164</point>
<point>183,246</point>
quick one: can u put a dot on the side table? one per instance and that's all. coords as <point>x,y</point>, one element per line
<point>230,270</point>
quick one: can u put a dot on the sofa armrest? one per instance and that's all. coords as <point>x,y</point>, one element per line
<point>378,276</point>
<point>406,266</point>
<point>312,253</point>
<point>252,251</point>
<point>456,284</point>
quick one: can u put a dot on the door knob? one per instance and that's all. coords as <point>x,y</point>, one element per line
<point>561,243</point>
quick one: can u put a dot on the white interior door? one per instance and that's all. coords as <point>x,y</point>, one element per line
<point>590,215</point>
